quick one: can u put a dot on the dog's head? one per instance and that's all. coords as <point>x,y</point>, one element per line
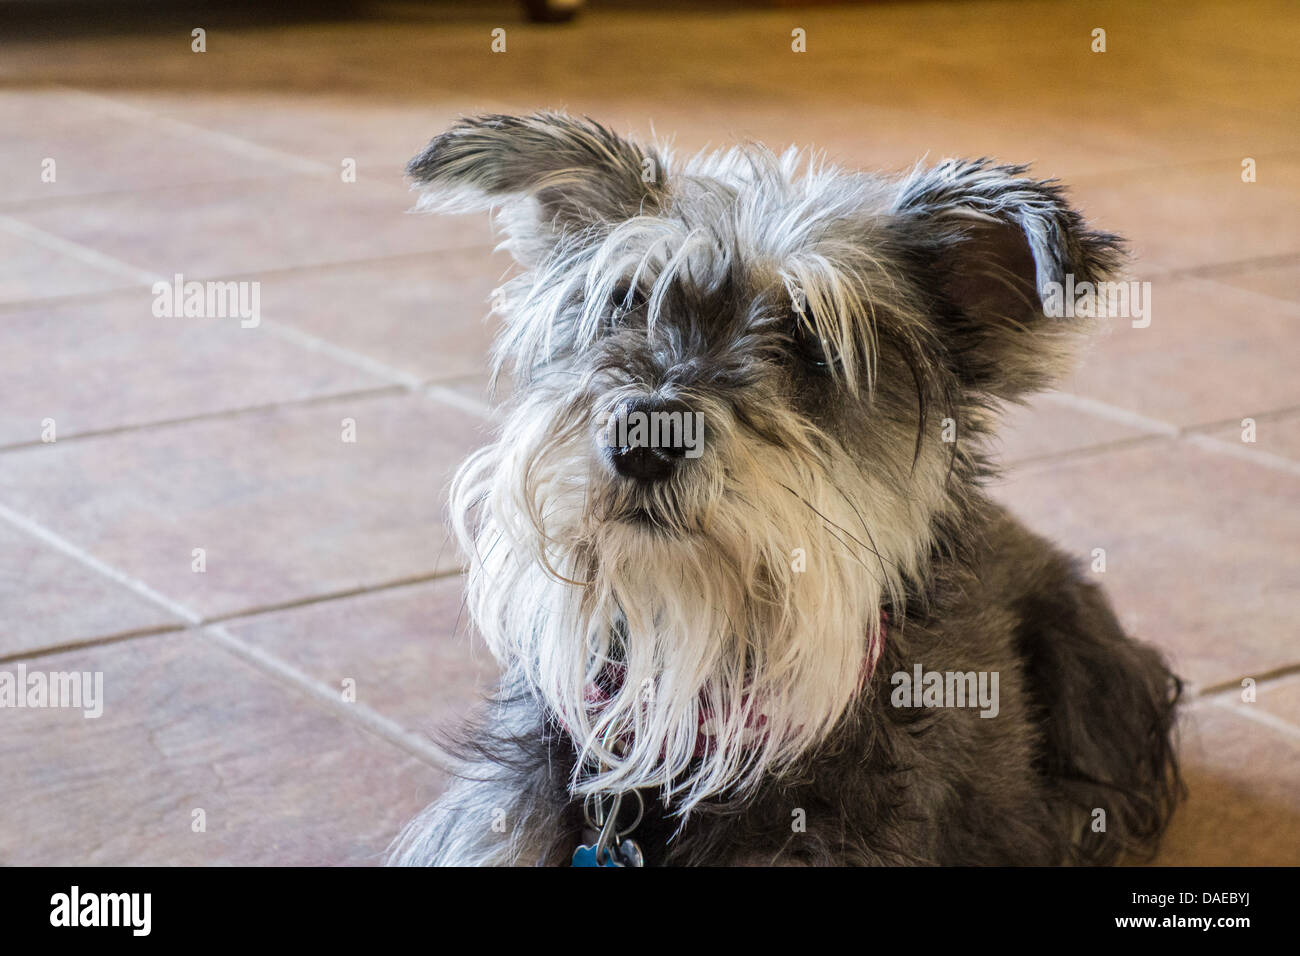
<point>749,394</point>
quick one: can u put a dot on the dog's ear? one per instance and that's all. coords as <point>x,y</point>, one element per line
<point>994,249</point>
<point>569,174</point>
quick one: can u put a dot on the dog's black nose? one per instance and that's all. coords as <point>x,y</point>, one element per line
<point>648,437</point>
<point>643,464</point>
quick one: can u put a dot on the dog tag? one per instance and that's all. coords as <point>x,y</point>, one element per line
<point>586,856</point>
<point>630,854</point>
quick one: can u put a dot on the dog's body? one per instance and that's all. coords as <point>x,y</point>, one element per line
<point>845,341</point>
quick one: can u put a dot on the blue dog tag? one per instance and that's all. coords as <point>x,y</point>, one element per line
<point>629,854</point>
<point>586,856</point>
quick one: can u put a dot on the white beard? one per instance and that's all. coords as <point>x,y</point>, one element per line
<point>724,617</point>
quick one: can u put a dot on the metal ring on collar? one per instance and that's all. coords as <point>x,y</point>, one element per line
<point>605,824</point>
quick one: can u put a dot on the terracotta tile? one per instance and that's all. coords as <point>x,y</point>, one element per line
<point>186,726</point>
<point>323,127</point>
<point>1045,429</point>
<point>1182,217</point>
<point>109,362</point>
<point>476,394</point>
<point>408,649</point>
<point>228,229</point>
<point>857,134</point>
<point>30,271</point>
<point>50,599</point>
<point>97,148</point>
<point>1243,806</point>
<point>1201,549</point>
<point>1280,280</point>
<point>1211,353</point>
<point>423,315</point>
<point>284,508</point>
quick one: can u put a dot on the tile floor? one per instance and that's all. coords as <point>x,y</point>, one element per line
<point>327,565</point>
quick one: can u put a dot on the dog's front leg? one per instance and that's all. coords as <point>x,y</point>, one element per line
<point>488,821</point>
<point>508,804</point>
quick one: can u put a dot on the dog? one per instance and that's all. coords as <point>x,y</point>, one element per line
<point>741,634</point>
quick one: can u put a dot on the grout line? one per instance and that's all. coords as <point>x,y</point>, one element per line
<point>36,203</point>
<point>1283,727</point>
<point>75,250</point>
<point>1281,299</point>
<point>1100,409</point>
<point>1155,427</point>
<point>239,616</point>
<point>18,305</point>
<point>375,392</point>
<point>1212,272</point>
<point>1264,458</point>
<point>385,587</point>
<point>369,718</point>
<point>64,546</point>
<point>342,354</point>
<point>66,298</point>
<point>1269,416</point>
<point>1233,685</point>
<point>235,145</point>
<point>449,396</point>
<point>98,641</point>
<point>233,617</point>
<point>436,390</point>
<point>1032,462</point>
<point>228,141</point>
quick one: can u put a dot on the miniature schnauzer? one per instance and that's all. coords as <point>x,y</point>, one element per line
<point>731,547</point>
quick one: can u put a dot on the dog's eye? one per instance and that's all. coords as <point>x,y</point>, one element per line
<point>624,300</point>
<point>815,352</point>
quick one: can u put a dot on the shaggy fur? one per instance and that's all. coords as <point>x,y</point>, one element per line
<point>847,341</point>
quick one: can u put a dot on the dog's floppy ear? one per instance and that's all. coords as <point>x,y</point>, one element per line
<point>577,172</point>
<point>993,248</point>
